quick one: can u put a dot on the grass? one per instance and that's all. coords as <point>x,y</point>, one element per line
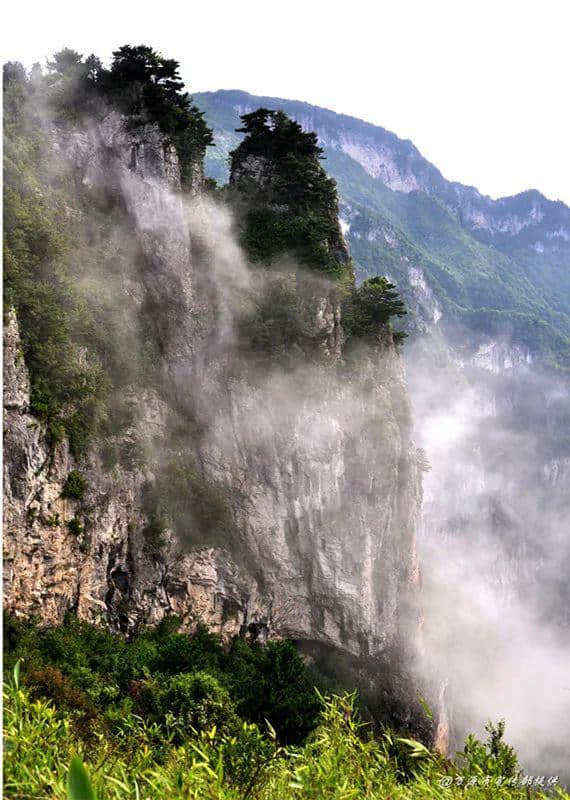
<point>45,758</point>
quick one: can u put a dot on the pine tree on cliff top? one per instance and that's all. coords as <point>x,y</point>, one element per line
<point>295,209</point>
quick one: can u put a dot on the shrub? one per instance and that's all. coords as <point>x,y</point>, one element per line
<point>50,682</point>
<point>75,485</point>
<point>247,756</point>
<point>493,757</point>
<point>180,652</point>
<point>196,701</point>
<point>75,526</point>
<point>271,683</point>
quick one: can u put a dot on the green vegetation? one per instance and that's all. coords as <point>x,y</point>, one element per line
<point>179,734</point>
<point>289,206</point>
<point>74,486</point>
<point>198,510</point>
<point>75,526</point>
<point>79,786</point>
<point>305,236</point>
<point>369,307</point>
<point>148,88</point>
<point>59,275</point>
<point>172,680</point>
<point>294,208</point>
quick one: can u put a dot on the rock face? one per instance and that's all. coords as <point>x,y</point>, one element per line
<point>322,476</point>
<point>101,571</point>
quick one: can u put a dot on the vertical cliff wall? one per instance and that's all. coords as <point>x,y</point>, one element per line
<point>312,470</point>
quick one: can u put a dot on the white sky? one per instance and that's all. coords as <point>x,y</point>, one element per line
<point>480,87</point>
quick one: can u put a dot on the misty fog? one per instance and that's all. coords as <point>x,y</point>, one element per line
<point>494,551</point>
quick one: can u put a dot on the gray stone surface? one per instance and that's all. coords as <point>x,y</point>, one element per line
<point>319,464</point>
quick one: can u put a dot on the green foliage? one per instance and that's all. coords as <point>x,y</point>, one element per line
<point>75,485</point>
<point>370,306</point>
<point>148,87</point>
<point>493,757</point>
<point>399,337</point>
<point>272,683</point>
<point>16,673</point>
<point>75,526</point>
<point>52,683</point>
<point>79,786</point>
<point>170,679</point>
<point>274,135</point>
<point>70,87</point>
<point>44,757</point>
<point>305,236</point>
<point>278,328</point>
<point>294,210</point>
<point>178,652</point>
<point>196,701</point>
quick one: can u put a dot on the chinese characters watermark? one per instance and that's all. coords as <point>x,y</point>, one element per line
<point>543,781</point>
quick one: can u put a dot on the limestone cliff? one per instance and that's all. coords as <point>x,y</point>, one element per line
<point>316,465</point>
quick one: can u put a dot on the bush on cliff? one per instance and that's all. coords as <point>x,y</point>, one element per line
<point>370,307</point>
<point>75,485</point>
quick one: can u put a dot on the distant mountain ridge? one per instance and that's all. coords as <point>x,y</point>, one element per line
<point>495,266</point>
<point>400,165</point>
